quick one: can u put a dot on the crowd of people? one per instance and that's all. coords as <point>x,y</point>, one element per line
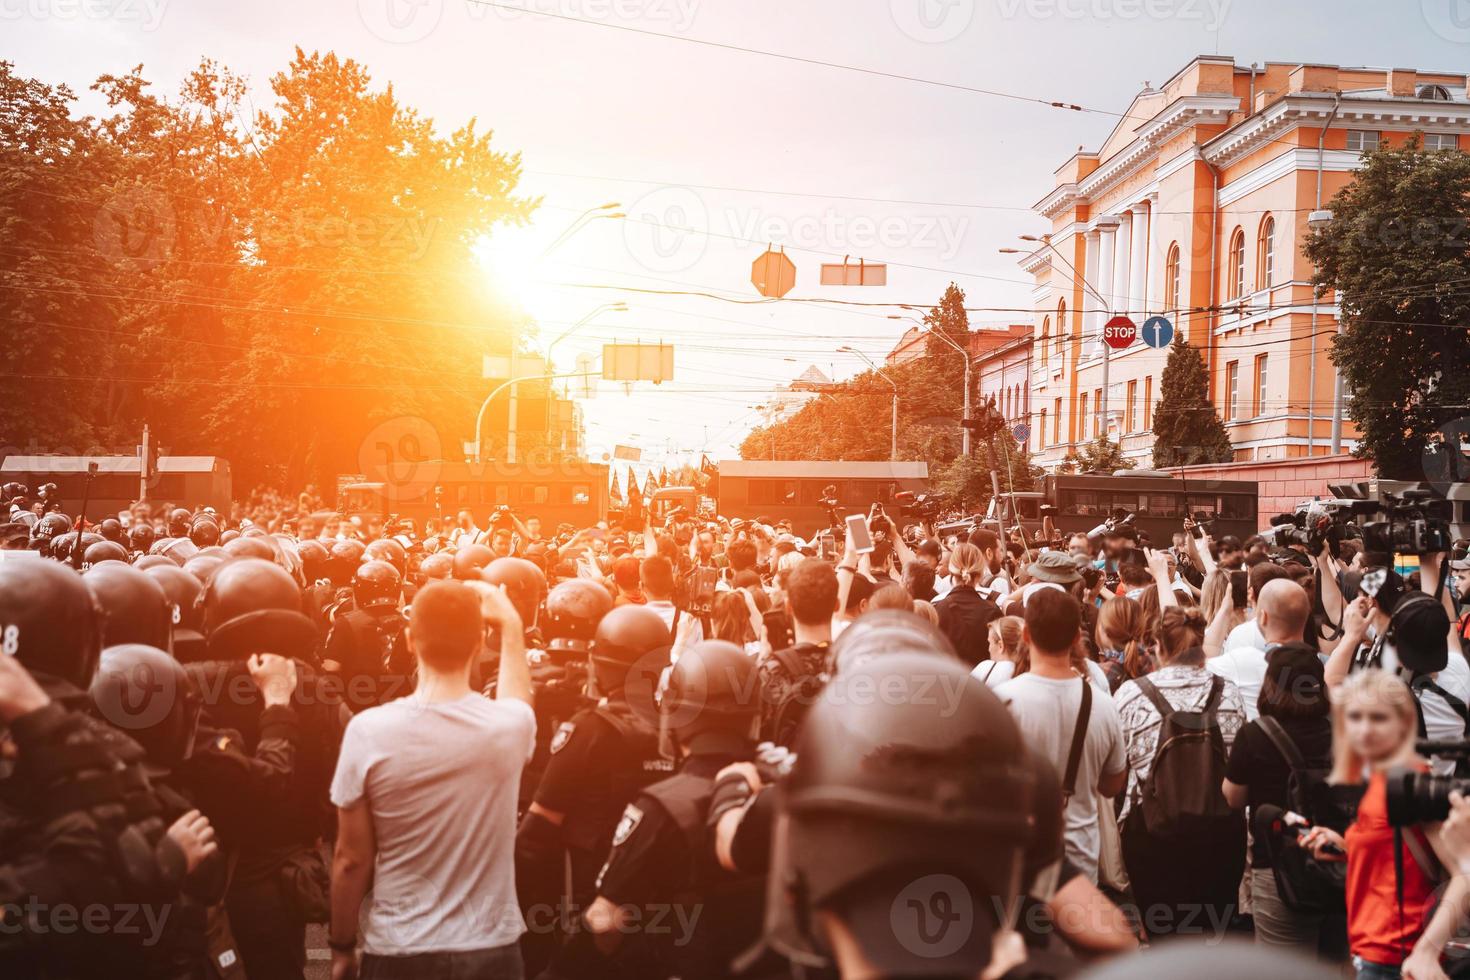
<point>696,748</point>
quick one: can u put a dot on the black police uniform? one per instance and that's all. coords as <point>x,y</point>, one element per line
<point>370,643</point>
<point>83,833</point>
<point>598,763</point>
<point>696,918</point>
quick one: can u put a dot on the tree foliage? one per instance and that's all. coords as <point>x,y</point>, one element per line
<point>1187,428</point>
<point>266,286</point>
<point>1397,255</point>
<point>1099,455</point>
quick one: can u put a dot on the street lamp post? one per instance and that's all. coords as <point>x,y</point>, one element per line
<point>965,431</point>
<point>485,405</point>
<point>893,441</point>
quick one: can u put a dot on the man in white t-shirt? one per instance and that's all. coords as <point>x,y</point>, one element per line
<point>426,791</point>
<point>1282,610</point>
<point>1046,703</point>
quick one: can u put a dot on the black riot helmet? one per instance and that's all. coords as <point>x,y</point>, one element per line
<point>524,583</point>
<point>178,522</point>
<point>101,551</point>
<point>885,631</point>
<point>628,637</point>
<point>182,590</point>
<point>251,605</point>
<point>376,585</point>
<point>342,562</point>
<point>49,527</point>
<point>1228,960</point>
<point>390,551</point>
<point>111,529</point>
<point>314,559</point>
<point>49,620</point>
<point>178,549</point>
<point>204,530</point>
<point>141,537</point>
<point>256,547</point>
<point>712,701</point>
<point>203,566</point>
<point>912,787</point>
<point>573,610</point>
<point>147,695</point>
<point>137,608</point>
<point>144,562</point>
<point>469,559</point>
<point>438,565</point>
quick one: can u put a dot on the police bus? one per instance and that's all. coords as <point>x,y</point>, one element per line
<point>565,491</point>
<point>186,481</point>
<point>776,490</point>
<point>1158,501</point>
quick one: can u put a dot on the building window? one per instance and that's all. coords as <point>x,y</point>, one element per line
<point>1236,268</point>
<point>1082,419</point>
<point>1148,403</point>
<point>1130,413</point>
<point>1056,421</point>
<point>1171,278</point>
<point>1441,141</point>
<point>1099,424</point>
<point>1232,390</point>
<point>1041,431</point>
<point>1045,341</point>
<point>1260,385</point>
<point>1363,140</point>
<point>1266,254</point>
<point>1061,329</point>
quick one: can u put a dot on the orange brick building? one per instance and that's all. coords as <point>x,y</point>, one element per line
<point>1196,207</point>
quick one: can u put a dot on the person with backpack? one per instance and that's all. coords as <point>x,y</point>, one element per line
<point>1282,760</point>
<point>1400,912</point>
<point>1183,844</point>
<point>792,678</point>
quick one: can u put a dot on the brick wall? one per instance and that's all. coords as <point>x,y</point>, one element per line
<point>1284,483</point>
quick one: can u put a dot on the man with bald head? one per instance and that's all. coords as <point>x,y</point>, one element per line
<point>1282,610</point>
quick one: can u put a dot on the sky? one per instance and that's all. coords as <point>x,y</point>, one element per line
<point>713,152</point>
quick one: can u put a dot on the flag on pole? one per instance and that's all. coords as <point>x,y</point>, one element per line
<point>614,493</point>
<point>712,474</point>
<point>635,498</point>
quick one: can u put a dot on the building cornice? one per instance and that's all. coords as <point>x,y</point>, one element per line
<point>1294,111</point>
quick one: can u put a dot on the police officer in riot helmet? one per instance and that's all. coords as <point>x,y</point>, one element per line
<point>660,855</point>
<point>178,522</point>
<point>136,607</point>
<point>47,529</point>
<point>111,529</point>
<point>909,827</point>
<point>366,649</point>
<point>102,551</point>
<point>598,759</point>
<point>390,551</point>
<point>182,590</point>
<point>251,607</point>
<point>52,623</point>
<point>141,537</point>
<point>204,530</point>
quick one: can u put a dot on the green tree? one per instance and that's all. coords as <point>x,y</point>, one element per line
<point>1101,454</point>
<point>1187,429</point>
<point>1397,256</point>
<point>951,319</point>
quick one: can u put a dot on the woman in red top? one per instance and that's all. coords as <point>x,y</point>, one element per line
<point>1374,727</point>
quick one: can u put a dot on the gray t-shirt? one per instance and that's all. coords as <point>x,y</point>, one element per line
<point>441,782</point>
<point>1046,711</point>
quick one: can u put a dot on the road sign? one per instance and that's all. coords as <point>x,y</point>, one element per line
<point>773,274</point>
<point>1119,332</point>
<point>1158,331</point>
<point>862,274</point>
<point>638,362</point>
<point>1022,432</point>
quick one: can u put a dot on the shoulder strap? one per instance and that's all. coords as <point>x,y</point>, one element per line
<point>1426,860</point>
<point>788,659</point>
<point>1217,691</point>
<point>1152,693</point>
<point>1079,739</point>
<point>1426,683</point>
<point>1282,741</point>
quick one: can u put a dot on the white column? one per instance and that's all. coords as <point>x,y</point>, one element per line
<point>1089,276</point>
<point>1153,263</point>
<point>1140,263</point>
<point>1102,282</point>
<point>1122,259</point>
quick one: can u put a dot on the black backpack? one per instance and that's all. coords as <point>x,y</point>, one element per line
<point>786,717</point>
<point>1305,884</point>
<point>1182,795</point>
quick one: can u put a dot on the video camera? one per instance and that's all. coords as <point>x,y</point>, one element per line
<point>924,506</point>
<point>1424,797</point>
<point>1390,517</point>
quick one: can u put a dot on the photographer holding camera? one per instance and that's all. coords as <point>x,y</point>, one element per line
<point>1395,928</point>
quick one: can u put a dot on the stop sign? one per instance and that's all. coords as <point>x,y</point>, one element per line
<point>773,274</point>
<point>1119,332</point>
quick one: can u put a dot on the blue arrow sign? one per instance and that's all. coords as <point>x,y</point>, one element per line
<point>1158,332</point>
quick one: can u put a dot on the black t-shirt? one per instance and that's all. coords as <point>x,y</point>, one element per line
<point>1257,764</point>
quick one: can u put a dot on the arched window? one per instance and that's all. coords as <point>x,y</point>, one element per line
<point>1236,268</point>
<point>1266,254</point>
<point>1045,340</point>
<point>1061,328</point>
<point>1171,278</point>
